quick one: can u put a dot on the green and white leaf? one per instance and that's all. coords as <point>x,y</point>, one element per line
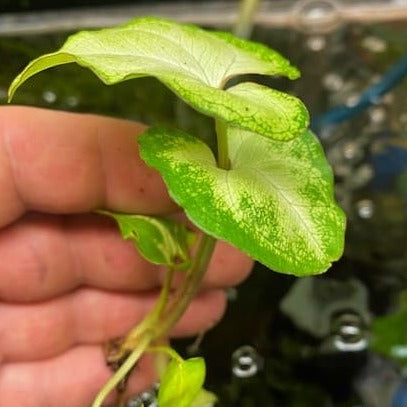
<point>276,202</point>
<point>278,114</point>
<point>194,63</point>
<point>181,382</point>
<point>160,241</point>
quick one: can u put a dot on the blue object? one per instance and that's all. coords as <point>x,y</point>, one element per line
<point>400,397</point>
<point>342,113</point>
<point>388,165</point>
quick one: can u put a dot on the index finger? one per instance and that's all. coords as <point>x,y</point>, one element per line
<point>59,162</point>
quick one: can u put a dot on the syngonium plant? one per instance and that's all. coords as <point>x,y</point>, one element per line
<point>267,189</point>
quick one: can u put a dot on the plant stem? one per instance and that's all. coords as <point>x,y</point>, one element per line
<point>123,370</point>
<point>151,318</point>
<point>189,288</point>
<point>160,321</point>
<point>244,24</point>
<point>166,314</point>
<point>167,350</point>
<point>223,149</point>
<point>165,292</point>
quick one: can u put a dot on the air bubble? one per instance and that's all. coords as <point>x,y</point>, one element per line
<point>342,170</point>
<point>365,208</point>
<point>332,82</point>
<point>72,101</point>
<point>352,100</point>
<point>377,115</point>
<point>388,98</point>
<point>135,402</point>
<point>317,16</point>
<point>349,333</point>
<point>246,362</point>
<point>361,176</point>
<point>374,44</point>
<point>399,351</point>
<point>232,294</point>
<point>351,150</point>
<point>145,399</point>
<point>316,43</point>
<point>149,398</point>
<point>49,96</point>
<point>403,120</point>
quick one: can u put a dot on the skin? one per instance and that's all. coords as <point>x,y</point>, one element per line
<point>68,282</point>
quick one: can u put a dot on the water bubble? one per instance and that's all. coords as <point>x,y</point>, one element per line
<point>374,44</point>
<point>377,115</point>
<point>351,150</point>
<point>317,15</point>
<point>349,333</point>
<point>326,133</point>
<point>49,96</point>
<point>232,294</point>
<point>72,101</point>
<point>149,398</point>
<point>135,402</point>
<point>388,98</point>
<point>316,43</point>
<point>403,119</point>
<point>361,176</point>
<point>145,399</point>
<point>365,208</point>
<point>332,82</point>
<point>399,351</point>
<point>352,100</point>
<point>246,362</point>
<point>342,170</point>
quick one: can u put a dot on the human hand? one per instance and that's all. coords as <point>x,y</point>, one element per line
<point>68,282</point>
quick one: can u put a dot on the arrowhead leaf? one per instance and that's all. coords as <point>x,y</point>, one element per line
<point>275,203</point>
<point>160,241</point>
<point>181,382</point>
<point>194,63</point>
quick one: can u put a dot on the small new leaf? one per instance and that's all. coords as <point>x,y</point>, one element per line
<point>181,382</point>
<point>194,63</point>
<point>204,399</point>
<point>160,241</point>
<point>276,202</point>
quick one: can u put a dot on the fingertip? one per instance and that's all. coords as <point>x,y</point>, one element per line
<point>228,267</point>
<point>203,314</point>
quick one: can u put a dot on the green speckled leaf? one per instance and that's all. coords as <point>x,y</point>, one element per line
<point>181,383</point>
<point>275,203</point>
<point>194,63</point>
<point>278,115</point>
<point>160,241</point>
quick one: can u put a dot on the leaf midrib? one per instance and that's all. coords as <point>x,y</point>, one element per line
<point>201,75</point>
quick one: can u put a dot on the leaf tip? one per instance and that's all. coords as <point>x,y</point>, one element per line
<point>12,88</point>
<point>293,73</point>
